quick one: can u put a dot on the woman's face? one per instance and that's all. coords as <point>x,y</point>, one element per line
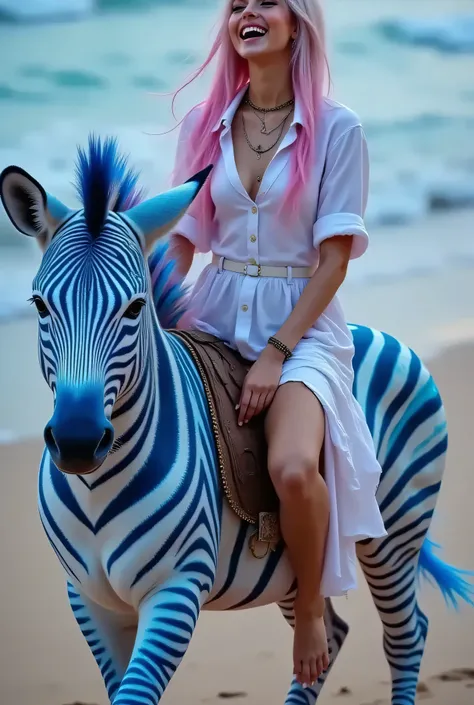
<point>260,28</point>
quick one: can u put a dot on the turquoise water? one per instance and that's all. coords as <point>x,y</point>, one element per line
<point>406,67</point>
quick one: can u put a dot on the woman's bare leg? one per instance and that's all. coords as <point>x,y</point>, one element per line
<point>295,427</point>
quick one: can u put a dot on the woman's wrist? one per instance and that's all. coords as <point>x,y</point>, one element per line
<point>278,350</point>
<point>272,353</point>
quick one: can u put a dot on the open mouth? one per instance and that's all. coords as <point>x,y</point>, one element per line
<point>252,32</point>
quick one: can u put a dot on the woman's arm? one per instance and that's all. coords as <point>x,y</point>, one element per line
<point>187,236</point>
<point>320,290</point>
<point>182,251</point>
<point>339,231</point>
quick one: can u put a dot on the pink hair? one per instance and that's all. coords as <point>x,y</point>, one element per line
<point>309,69</point>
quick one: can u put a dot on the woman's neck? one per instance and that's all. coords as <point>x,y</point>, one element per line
<point>270,85</point>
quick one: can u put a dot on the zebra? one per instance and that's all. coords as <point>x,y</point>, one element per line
<point>128,490</point>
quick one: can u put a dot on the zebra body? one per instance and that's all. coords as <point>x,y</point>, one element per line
<point>129,493</point>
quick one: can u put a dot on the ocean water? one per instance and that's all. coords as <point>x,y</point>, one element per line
<point>406,67</point>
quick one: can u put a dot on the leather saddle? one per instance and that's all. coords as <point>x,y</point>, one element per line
<point>241,450</point>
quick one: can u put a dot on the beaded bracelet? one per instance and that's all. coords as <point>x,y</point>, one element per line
<point>281,347</point>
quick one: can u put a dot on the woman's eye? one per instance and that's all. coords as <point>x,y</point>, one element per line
<point>239,8</point>
<point>133,311</point>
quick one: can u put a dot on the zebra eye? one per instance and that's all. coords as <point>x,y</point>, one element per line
<point>40,306</point>
<point>133,311</point>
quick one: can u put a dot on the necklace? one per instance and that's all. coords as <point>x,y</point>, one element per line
<point>259,149</point>
<point>264,130</point>
<point>257,109</point>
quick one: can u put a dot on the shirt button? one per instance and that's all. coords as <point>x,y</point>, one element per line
<point>254,209</point>
<point>245,308</point>
<point>253,238</point>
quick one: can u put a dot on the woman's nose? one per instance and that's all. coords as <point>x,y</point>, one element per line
<point>250,11</point>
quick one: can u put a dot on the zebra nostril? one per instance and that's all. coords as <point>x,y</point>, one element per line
<point>50,440</point>
<point>105,442</point>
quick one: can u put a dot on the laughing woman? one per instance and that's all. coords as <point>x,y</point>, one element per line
<point>283,214</point>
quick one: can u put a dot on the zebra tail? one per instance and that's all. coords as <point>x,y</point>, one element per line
<point>170,293</point>
<point>449,579</point>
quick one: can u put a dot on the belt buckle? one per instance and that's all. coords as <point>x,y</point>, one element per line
<point>252,270</point>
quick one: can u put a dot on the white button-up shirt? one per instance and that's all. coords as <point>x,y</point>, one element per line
<point>246,310</point>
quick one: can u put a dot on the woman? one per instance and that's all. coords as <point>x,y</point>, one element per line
<point>282,214</point>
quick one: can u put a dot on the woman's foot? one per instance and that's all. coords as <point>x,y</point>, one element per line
<point>310,646</point>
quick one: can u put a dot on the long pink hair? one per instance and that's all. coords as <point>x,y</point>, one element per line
<point>309,68</point>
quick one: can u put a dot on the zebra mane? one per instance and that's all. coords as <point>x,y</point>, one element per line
<point>104,182</point>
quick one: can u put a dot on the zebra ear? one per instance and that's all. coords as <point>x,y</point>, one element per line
<point>32,211</point>
<point>157,216</point>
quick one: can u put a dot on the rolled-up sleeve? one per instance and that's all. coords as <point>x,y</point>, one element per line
<point>188,226</point>
<point>344,192</point>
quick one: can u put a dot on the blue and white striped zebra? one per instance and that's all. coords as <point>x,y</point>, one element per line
<point>135,514</point>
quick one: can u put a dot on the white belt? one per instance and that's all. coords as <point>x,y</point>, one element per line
<point>262,270</point>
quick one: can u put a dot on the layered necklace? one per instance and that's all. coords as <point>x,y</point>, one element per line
<point>261,114</point>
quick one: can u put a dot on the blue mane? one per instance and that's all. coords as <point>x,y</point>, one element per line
<point>104,182</point>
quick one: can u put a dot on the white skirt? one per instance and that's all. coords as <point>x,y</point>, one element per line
<point>351,469</point>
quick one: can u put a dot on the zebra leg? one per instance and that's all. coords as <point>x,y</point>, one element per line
<point>166,623</point>
<point>391,576</point>
<point>337,631</point>
<point>109,635</point>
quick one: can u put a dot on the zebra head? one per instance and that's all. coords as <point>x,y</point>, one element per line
<point>92,292</point>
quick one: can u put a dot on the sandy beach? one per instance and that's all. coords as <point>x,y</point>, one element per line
<point>247,655</point>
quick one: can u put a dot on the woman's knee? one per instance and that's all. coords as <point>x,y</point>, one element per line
<point>294,475</point>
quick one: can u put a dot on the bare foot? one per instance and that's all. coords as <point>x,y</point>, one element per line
<point>310,646</point>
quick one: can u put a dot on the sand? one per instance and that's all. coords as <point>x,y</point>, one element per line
<point>44,660</point>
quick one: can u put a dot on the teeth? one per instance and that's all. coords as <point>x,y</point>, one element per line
<point>259,30</point>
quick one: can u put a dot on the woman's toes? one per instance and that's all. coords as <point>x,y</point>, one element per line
<point>306,675</point>
<point>314,670</point>
<point>325,662</point>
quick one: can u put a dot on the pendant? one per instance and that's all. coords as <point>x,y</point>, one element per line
<point>263,130</point>
<point>259,156</point>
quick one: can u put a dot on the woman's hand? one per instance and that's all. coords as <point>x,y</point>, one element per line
<point>260,384</point>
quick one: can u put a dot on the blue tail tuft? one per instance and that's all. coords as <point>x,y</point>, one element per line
<point>448,578</point>
<point>169,291</point>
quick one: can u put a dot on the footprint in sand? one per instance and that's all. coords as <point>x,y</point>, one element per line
<point>423,692</point>
<point>228,695</point>
<point>455,674</point>
<point>344,691</point>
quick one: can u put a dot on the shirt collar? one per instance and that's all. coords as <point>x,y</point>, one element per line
<point>226,118</point>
